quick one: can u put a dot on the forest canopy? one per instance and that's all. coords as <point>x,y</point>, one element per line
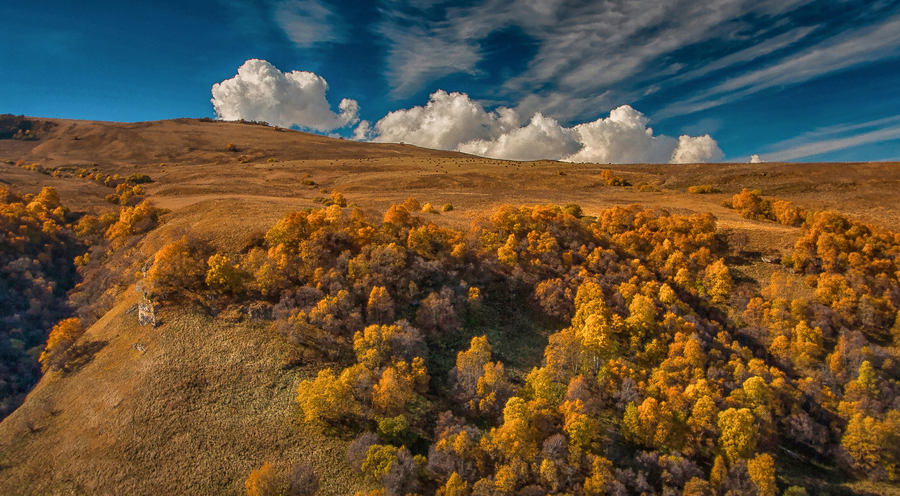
<point>539,352</point>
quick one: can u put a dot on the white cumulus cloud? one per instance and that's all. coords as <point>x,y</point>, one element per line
<point>261,92</point>
<point>696,149</point>
<point>363,131</point>
<point>543,137</point>
<point>447,120</point>
<point>623,137</point>
<point>453,121</point>
<point>754,159</point>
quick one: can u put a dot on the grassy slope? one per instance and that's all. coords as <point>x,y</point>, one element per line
<point>207,401</point>
<point>202,406</point>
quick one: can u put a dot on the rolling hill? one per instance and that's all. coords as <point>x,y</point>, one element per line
<point>195,404</point>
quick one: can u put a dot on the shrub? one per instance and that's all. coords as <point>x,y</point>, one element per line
<point>795,491</point>
<point>338,199</point>
<point>412,205</point>
<point>378,461</point>
<point>574,210</point>
<point>704,189</point>
<point>139,179</point>
<point>612,179</point>
<point>447,207</point>
<point>393,428</point>
<point>231,147</point>
<point>429,209</point>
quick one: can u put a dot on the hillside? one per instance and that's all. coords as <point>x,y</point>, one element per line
<point>198,402</point>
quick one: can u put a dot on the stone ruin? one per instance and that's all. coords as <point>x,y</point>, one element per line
<point>146,312</point>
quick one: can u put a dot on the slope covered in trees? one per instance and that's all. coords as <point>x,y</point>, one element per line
<point>648,384</point>
<point>532,351</point>
<point>51,257</point>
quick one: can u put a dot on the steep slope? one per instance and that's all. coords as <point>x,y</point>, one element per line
<point>190,407</point>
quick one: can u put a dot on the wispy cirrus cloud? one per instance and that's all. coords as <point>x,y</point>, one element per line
<point>583,47</point>
<point>844,51</point>
<point>834,138</point>
<point>419,53</point>
<point>307,22</point>
<point>304,22</point>
<point>592,56</point>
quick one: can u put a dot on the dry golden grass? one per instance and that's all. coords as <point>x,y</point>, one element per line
<point>190,407</point>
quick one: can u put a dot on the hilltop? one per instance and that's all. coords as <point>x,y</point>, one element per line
<point>197,403</point>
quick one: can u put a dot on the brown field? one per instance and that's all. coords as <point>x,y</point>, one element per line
<point>207,400</point>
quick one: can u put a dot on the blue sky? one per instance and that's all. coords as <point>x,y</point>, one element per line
<point>800,80</point>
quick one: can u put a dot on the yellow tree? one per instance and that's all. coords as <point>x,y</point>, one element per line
<point>177,266</point>
<point>327,398</point>
<point>470,365</point>
<point>895,330</point>
<point>601,476</point>
<point>594,324</point>
<point>507,253</point>
<point>62,337</point>
<point>762,473</point>
<point>862,442</point>
<point>262,482</point>
<point>397,386</point>
<point>806,346</point>
<point>759,394</point>
<point>738,433</point>
<point>718,473</point>
<point>697,487</point>
<point>718,282</point>
<point>493,389</point>
<point>641,319</point>
<point>223,276</point>
<point>702,425</point>
<point>650,423</point>
<point>455,486</point>
<point>380,308</point>
<point>373,345</point>
<point>515,438</point>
